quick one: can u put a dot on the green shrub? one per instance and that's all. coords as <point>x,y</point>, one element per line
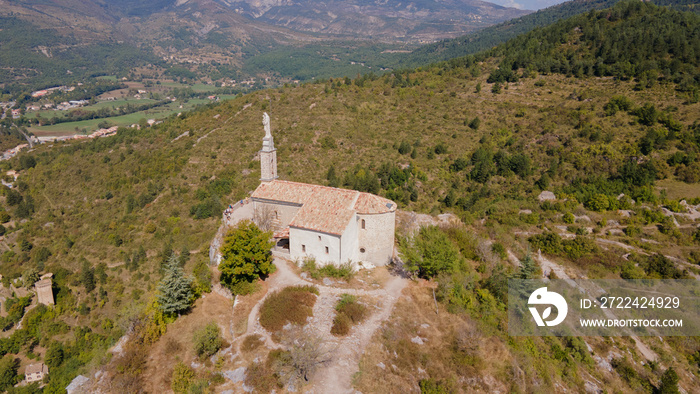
<point>207,340</point>
<point>432,386</point>
<point>632,231</point>
<point>569,218</point>
<point>343,271</point>
<point>348,313</point>
<point>181,378</point>
<point>429,253</point>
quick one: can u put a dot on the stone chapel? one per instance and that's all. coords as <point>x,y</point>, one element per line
<point>329,224</point>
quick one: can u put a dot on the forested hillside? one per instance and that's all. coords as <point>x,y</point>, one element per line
<point>632,40</point>
<point>621,157</point>
<point>33,58</point>
<point>494,35</point>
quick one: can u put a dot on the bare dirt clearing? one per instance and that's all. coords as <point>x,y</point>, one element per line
<point>336,375</point>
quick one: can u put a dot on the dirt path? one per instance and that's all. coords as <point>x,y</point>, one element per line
<point>226,121</point>
<point>335,376</point>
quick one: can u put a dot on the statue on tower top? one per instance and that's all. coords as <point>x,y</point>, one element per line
<point>268,143</point>
<point>266,124</point>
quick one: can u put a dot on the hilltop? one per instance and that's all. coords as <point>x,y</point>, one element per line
<point>463,137</point>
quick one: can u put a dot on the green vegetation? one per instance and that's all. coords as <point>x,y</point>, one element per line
<point>246,257</point>
<point>174,290</point>
<point>348,313</point>
<point>494,35</point>
<point>430,253</point>
<point>207,340</point>
<point>290,305</point>
<point>105,215</point>
<point>326,60</point>
<point>630,40</point>
<point>344,271</point>
<point>182,378</point>
<point>36,70</point>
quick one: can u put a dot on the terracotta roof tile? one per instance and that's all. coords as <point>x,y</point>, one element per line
<point>323,208</point>
<point>369,203</point>
<point>34,368</point>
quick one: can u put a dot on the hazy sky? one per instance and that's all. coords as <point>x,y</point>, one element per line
<point>527,4</point>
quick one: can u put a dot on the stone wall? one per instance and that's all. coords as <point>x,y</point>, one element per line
<point>376,238</point>
<point>268,165</point>
<point>281,213</point>
<point>44,292</point>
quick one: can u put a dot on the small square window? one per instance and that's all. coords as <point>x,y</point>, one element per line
<point>303,248</point>
<point>326,249</point>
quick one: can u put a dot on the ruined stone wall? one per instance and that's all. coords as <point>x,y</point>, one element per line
<point>44,292</point>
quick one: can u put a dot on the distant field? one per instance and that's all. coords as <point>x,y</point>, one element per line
<point>108,77</point>
<point>198,87</point>
<point>69,128</point>
<point>49,113</point>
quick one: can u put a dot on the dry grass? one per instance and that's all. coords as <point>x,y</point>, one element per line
<point>348,313</point>
<point>251,342</point>
<point>676,190</point>
<point>290,305</point>
<point>262,375</point>
<point>452,349</point>
<point>244,306</point>
<point>161,360</point>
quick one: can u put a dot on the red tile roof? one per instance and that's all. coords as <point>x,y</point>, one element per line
<point>323,208</point>
<point>34,368</point>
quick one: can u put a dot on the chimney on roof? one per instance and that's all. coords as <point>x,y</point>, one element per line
<point>268,154</point>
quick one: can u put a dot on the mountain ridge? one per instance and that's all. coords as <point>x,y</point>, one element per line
<point>424,20</point>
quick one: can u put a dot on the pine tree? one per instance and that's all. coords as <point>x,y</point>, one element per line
<point>87,276</point>
<point>184,255</point>
<point>669,382</point>
<point>529,268</point>
<point>174,290</point>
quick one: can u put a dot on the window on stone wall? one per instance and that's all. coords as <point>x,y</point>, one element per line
<point>303,248</point>
<point>319,237</point>
<point>326,249</point>
<point>362,250</point>
<point>363,224</point>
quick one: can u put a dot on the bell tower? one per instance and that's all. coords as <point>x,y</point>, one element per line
<point>268,154</point>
